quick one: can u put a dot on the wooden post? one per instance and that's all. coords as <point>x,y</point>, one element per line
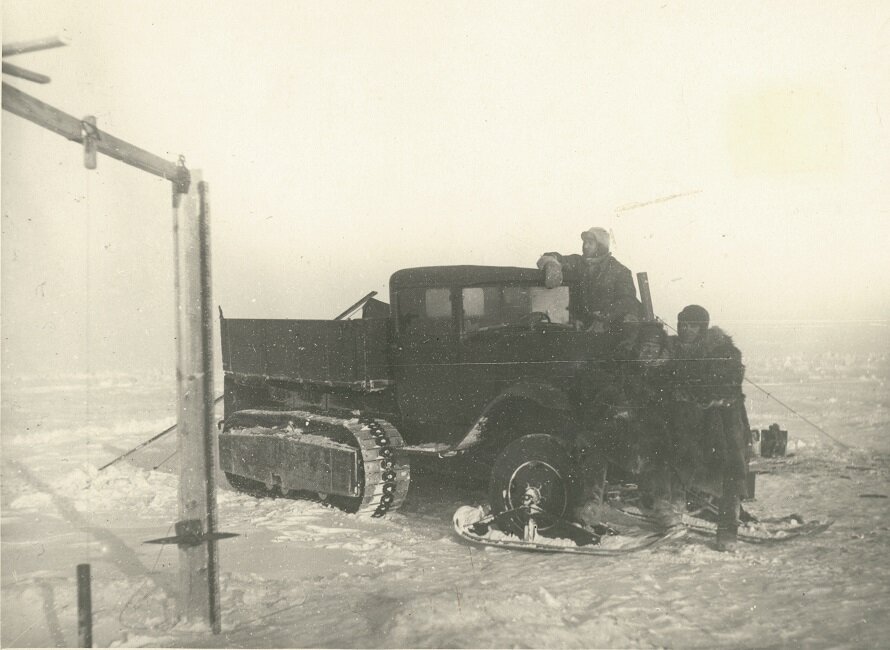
<point>645,295</point>
<point>198,563</point>
<point>84,607</point>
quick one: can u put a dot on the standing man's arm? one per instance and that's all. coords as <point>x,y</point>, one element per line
<point>557,266</point>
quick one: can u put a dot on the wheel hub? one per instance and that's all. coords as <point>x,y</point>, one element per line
<point>532,497</point>
<point>537,486</point>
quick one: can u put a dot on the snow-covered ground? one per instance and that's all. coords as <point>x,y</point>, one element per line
<point>303,575</point>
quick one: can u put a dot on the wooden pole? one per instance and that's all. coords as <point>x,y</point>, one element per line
<point>84,607</point>
<point>33,46</point>
<point>198,563</point>
<point>645,295</point>
<point>211,452</point>
<point>21,73</point>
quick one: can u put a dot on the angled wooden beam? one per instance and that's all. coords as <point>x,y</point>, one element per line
<point>33,46</point>
<point>17,71</point>
<point>24,105</point>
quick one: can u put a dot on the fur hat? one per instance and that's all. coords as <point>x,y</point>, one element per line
<point>599,235</point>
<point>694,314</point>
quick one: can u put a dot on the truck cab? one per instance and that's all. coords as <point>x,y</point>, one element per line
<point>474,340</point>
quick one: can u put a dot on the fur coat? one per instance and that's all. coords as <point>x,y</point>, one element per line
<point>707,413</point>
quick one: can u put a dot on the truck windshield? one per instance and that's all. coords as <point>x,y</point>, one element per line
<point>498,306</point>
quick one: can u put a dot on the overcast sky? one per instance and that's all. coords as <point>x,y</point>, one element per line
<point>343,141</point>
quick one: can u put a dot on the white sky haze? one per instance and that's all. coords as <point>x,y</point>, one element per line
<point>343,141</point>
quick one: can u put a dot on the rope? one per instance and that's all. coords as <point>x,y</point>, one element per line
<point>801,416</point>
<point>175,451</point>
<point>780,402</point>
<point>145,581</point>
<point>151,440</point>
<point>88,328</point>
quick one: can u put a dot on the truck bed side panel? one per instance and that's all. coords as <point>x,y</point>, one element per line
<point>315,351</point>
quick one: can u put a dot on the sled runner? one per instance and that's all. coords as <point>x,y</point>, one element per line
<point>556,535</point>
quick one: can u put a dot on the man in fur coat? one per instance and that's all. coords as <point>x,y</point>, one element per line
<point>602,288</point>
<point>629,428</point>
<point>708,416</point>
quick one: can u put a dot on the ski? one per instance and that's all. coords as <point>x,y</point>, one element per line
<point>762,532</point>
<point>754,531</point>
<point>475,525</point>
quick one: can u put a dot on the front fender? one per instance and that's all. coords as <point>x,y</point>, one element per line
<point>540,393</point>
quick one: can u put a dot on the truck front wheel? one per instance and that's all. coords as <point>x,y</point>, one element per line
<point>533,467</point>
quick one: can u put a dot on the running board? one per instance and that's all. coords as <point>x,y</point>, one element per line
<point>439,449</point>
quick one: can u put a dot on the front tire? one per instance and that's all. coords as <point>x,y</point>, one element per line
<point>539,464</point>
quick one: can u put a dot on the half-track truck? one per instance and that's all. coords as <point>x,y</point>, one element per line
<point>475,361</point>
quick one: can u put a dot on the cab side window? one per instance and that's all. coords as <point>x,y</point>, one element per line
<point>428,310</point>
<point>482,307</point>
<point>553,302</point>
<point>437,303</point>
<point>496,306</point>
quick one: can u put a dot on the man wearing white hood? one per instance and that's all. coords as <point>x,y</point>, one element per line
<point>602,288</point>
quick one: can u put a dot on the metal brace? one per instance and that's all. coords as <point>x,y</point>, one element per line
<point>183,178</point>
<point>91,136</point>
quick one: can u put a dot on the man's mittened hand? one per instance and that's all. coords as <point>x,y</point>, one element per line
<point>552,273</point>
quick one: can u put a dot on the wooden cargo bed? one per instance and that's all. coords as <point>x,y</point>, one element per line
<point>334,353</point>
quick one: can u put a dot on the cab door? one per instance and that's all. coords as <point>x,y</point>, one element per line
<point>425,361</point>
<point>514,334</point>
